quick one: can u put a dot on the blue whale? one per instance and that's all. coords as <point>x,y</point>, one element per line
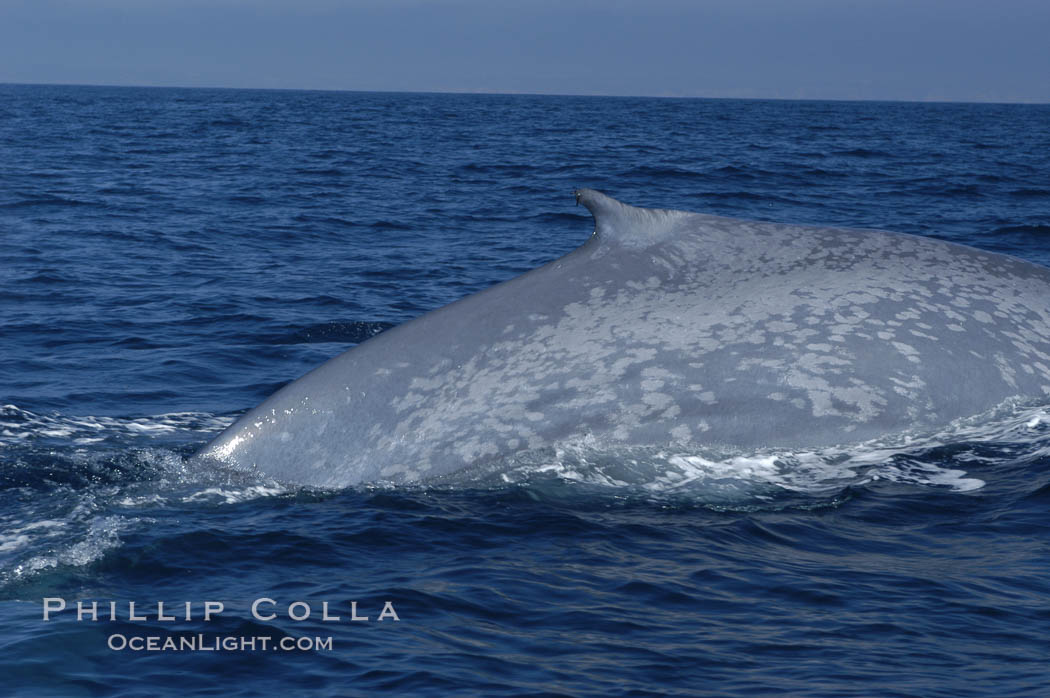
<point>669,328</point>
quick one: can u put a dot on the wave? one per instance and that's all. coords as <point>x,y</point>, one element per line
<point>939,457</point>
<point>502,168</point>
<point>224,122</point>
<point>1030,193</point>
<point>19,427</point>
<point>73,488</point>
<point>342,332</point>
<point>389,225</point>
<point>863,153</point>
<point>321,171</point>
<point>1014,431</point>
<point>1022,230</point>
<point>77,540</point>
<point>556,217</point>
<point>49,202</point>
<point>649,172</point>
<point>62,527</point>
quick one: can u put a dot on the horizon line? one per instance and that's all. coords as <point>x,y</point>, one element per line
<point>933,100</point>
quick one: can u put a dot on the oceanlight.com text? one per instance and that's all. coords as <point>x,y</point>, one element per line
<point>215,643</point>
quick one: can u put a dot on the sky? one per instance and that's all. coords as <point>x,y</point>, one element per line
<point>944,50</point>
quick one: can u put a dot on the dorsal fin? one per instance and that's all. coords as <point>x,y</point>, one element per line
<point>627,225</point>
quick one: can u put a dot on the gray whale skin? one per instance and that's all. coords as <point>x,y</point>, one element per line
<point>669,328</point>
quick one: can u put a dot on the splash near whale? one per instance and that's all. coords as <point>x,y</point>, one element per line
<point>669,328</point>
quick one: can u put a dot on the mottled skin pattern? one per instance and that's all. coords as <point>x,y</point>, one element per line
<point>670,328</point>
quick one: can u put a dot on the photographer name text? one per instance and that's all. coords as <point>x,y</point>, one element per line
<point>263,609</point>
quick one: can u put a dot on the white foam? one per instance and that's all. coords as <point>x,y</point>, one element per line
<point>93,518</point>
<point>98,535</point>
<point>925,474</point>
<point>12,542</point>
<point>19,427</point>
<point>235,495</point>
<point>76,526</point>
<point>140,501</point>
<point>706,472</point>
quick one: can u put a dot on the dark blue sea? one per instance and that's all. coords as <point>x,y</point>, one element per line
<point>170,257</point>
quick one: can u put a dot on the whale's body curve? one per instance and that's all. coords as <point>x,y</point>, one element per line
<point>668,327</point>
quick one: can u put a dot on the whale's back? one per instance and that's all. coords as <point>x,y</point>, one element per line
<point>669,327</point>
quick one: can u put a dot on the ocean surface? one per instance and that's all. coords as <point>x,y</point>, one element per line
<point>170,257</point>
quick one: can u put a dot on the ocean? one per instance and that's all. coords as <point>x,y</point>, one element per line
<point>170,257</point>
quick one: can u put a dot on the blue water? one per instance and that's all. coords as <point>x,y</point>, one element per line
<point>168,258</point>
